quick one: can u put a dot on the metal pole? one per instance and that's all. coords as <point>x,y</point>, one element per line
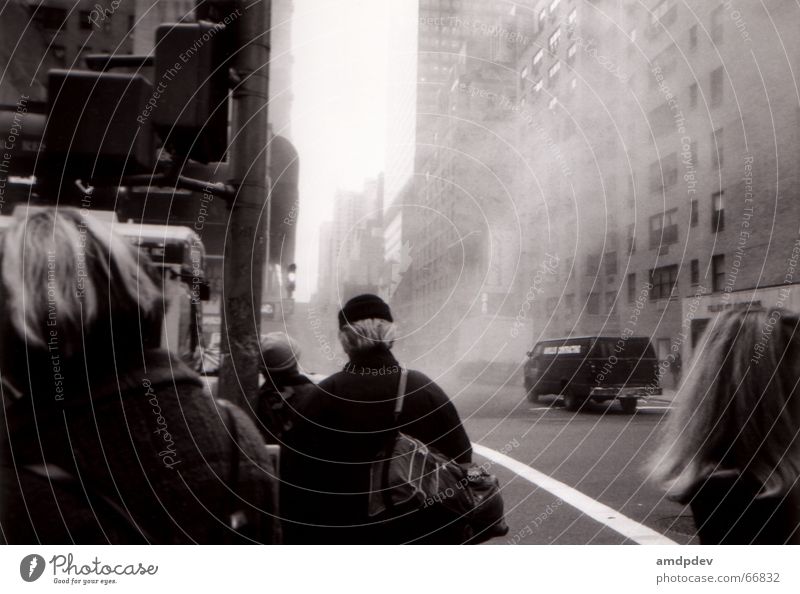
<point>245,242</point>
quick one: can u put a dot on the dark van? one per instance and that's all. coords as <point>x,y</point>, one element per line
<point>598,368</point>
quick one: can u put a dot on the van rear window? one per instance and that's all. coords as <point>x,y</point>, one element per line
<point>566,349</point>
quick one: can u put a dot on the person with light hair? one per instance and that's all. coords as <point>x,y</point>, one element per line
<point>346,426</point>
<point>109,438</point>
<point>731,447</point>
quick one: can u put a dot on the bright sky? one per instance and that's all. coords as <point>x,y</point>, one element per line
<point>339,110</point>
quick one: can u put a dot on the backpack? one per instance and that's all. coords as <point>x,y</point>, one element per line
<point>409,476</point>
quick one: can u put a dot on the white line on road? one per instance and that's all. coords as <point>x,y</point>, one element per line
<point>639,533</point>
<point>542,408</point>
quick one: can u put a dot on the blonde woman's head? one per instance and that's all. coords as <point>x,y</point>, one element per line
<point>68,280</point>
<point>738,406</point>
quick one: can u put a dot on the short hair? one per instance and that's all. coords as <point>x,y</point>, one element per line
<point>67,273</point>
<point>365,335</point>
<point>738,407</point>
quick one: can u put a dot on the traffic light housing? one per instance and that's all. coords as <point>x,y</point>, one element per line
<point>192,81</point>
<point>97,124</point>
<point>291,279</point>
<point>21,130</point>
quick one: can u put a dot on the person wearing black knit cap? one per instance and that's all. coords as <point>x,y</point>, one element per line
<point>347,426</point>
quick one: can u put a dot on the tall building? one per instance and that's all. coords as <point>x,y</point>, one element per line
<point>351,246</point>
<point>673,178</point>
<point>457,227</point>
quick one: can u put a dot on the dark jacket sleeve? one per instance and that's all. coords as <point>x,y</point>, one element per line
<point>441,425</point>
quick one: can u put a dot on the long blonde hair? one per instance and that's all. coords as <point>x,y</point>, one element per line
<point>739,406</point>
<point>65,275</point>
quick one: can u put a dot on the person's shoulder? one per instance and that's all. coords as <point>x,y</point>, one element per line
<point>420,382</point>
<point>329,382</point>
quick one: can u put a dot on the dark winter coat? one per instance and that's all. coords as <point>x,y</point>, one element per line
<point>328,457</point>
<point>729,508</point>
<point>151,441</point>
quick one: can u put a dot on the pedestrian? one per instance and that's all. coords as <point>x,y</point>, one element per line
<point>285,390</point>
<point>108,438</point>
<point>729,448</point>
<point>347,426</point>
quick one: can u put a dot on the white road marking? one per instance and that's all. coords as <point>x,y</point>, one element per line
<point>639,533</point>
<point>542,408</point>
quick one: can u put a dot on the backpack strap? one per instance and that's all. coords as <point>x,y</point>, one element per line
<point>401,394</point>
<point>388,448</point>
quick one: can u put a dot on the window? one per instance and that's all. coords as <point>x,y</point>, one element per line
<point>631,239</point>
<point>717,87</point>
<point>84,16</point>
<point>537,86</point>
<point>593,303</point>
<point>592,264</point>
<point>664,229</point>
<point>632,35</point>
<point>524,74</point>
<point>694,214</point>
<point>573,84</point>
<point>694,274</point>
<point>693,95</point>
<point>542,17</point>
<point>553,72</point>
<point>664,173</point>
<point>717,272</point>
<point>693,37</point>
<point>611,263</point>
<point>610,298</point>
<point>718,211</point>
<point>552,42</point>
<point>664,281</point>
<point>717,24</point>
<point>571,52</point>
<point>717,152</point>
<point>569,303</point>
<point>49,17</point>
<point>537,57</point>
<point>551,105</point>
<point>631,287</point>
<point>572,17</point>
<point>553,5</point>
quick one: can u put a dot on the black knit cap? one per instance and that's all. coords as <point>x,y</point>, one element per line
<point>364,307</point>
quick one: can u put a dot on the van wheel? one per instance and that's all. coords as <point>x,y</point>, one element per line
<point>572,402</point>
<point>533,396</point>
<point>628,405</point>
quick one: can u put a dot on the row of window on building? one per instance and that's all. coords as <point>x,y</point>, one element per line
<point>663,285</point>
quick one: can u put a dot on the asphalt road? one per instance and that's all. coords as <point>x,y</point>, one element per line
<point>600,452</point>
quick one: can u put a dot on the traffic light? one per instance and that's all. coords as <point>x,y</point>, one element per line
<point>291,278</point>
<point>97,124</point>
<point>192,82</point>
<point>21,131</point>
